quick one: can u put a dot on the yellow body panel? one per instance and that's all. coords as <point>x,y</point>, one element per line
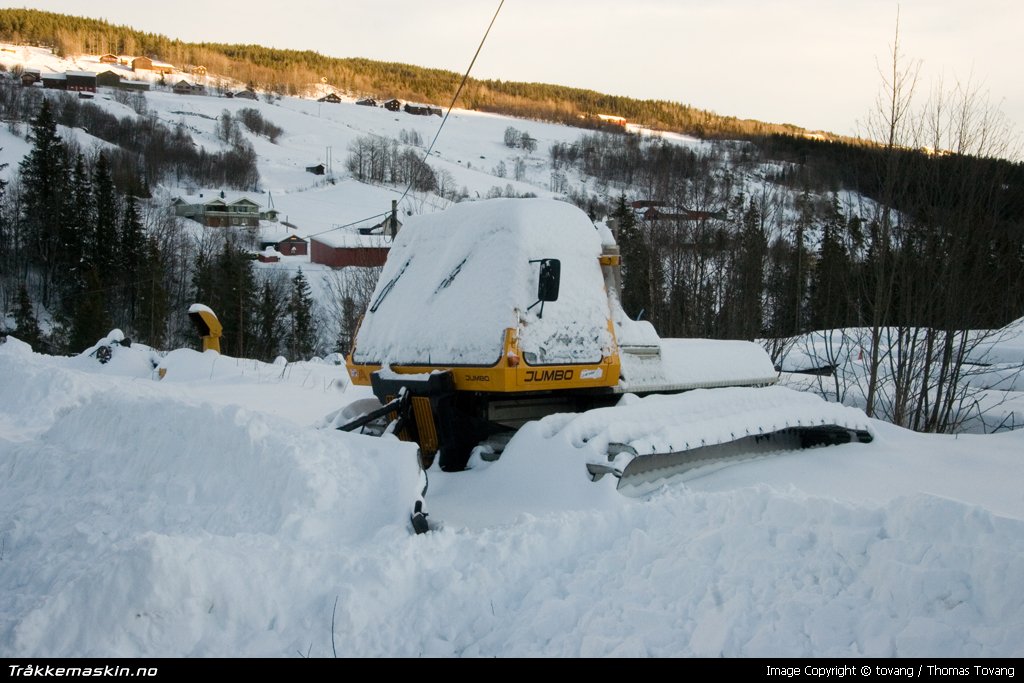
<point>510,374</point>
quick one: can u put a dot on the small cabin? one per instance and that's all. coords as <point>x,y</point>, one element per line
<point>147,64</point>
<point>186,88</point>
<point>108,79</point>
<point>81,81</point>
<point>422,110</point>
<point>293,245</point>
<point>55,81</point>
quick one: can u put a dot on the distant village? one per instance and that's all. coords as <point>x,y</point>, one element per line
<point>86,82</point>
<point>366,246</point>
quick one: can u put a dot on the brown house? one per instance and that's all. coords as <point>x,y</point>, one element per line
<point>81,81</point>
<point>147,64</point>
<point>186,88</point>
<point>108,79</point>
<point>393,105</point>
<point>108,59</point>
<point>293,245</point>
<point>422,110</point>
<point>330,97</point>
<point>55,81</point>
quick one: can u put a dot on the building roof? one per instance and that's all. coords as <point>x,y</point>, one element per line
<point>348,238</point>
<point>230,197</point>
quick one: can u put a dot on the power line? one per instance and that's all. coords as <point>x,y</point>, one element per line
<point>458,92</point>
<point>451,106</point>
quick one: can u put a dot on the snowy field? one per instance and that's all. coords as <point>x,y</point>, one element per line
<point>204,515</point>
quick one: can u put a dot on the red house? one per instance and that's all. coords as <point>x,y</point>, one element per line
<point>347,249</point>
<point>292,245</point>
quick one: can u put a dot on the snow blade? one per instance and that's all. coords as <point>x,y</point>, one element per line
<point>643,440</point>
<point>644,470</point>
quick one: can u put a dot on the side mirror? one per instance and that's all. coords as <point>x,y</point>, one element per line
<point>550,276</point>
<point>547,284</point>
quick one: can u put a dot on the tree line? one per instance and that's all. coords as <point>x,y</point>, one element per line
<point>292,72</point>
<point>78,241</point>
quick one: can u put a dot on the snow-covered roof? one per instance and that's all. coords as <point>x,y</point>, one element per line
<point>200,308</point>
<point>456,280</point>
<point>350,238</point>
<point>230,197</point>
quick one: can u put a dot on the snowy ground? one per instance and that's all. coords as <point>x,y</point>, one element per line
<point>204,515</point>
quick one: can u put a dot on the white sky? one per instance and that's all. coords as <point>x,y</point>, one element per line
<point>813,63</point>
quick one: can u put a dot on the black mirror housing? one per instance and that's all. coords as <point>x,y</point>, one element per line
<point>550,276</point>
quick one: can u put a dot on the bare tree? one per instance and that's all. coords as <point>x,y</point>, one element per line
<point>890,121</point>
<point>349,291</point>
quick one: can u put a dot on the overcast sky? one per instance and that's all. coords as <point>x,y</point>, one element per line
<point>813,63</point>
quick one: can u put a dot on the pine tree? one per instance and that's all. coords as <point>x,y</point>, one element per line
<point>26,326</point>
<point>152,303</point>
<point>105,222</point>
<point>90,320</point>
<point>269,328</point>
<point>744,307</point>
<point>302,328</point>
<point>78,241</point>
<point>830,293</point>
<point>636,262</point>
<point>131,255</point>
<point>226,284</point>
<point>44,182</point>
